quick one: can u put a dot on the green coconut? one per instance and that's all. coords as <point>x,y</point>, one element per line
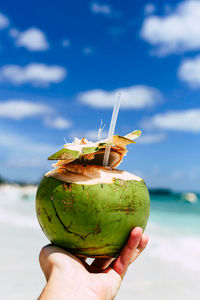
<point>89,209</point>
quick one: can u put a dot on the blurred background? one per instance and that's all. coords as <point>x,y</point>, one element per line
<point>61,65</point>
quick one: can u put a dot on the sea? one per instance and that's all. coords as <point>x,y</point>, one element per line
<point>168,269</point>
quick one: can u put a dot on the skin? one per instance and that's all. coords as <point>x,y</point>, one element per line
<point>70,278</point>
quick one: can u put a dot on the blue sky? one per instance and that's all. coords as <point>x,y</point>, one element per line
<point>62,63</point>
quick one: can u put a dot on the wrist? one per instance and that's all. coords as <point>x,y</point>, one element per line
<point>64,286</point>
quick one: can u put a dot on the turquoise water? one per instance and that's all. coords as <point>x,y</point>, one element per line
<point>172,211</point>
<point>168,269</point>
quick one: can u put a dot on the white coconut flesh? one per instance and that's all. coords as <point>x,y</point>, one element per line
<point>87,168</point>
<point>90,174</point>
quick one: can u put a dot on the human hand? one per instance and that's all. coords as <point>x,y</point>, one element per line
<point>70,277</point>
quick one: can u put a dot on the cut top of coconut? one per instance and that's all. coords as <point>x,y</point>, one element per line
<point>84,152</point>
<point>90,175</point>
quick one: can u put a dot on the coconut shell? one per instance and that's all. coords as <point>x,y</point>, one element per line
<point>91,220</point>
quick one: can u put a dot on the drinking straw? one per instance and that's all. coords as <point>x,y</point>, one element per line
<point>112,128</point>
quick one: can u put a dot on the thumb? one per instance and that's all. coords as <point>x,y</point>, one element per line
<point>136,243</point>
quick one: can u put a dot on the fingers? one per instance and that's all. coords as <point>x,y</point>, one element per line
<point>52,256</point>
<point>142,245</point>
<point>136,243</point>
<point>143,242</point>
<point>101,263</point>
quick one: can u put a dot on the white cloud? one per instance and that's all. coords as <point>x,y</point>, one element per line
<point>189,71</point>
<point>175,32</point>
<point>185,120</point>
<point>58,123</point>
<point>103,9</point>
<point>24,162</point>
<point>87,50</point>
<point>4,21</point>
<point>66,43</point>
<point>18,142</point>
<point>34,73</point>
<point>20,109</point>
<point>20,151</point>
<point>134,97</point>
<point>151,138</point>
<point>32,39</point>
<point>149,8</point>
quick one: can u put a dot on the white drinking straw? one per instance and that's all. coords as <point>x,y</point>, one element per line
<point>112,128</point>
